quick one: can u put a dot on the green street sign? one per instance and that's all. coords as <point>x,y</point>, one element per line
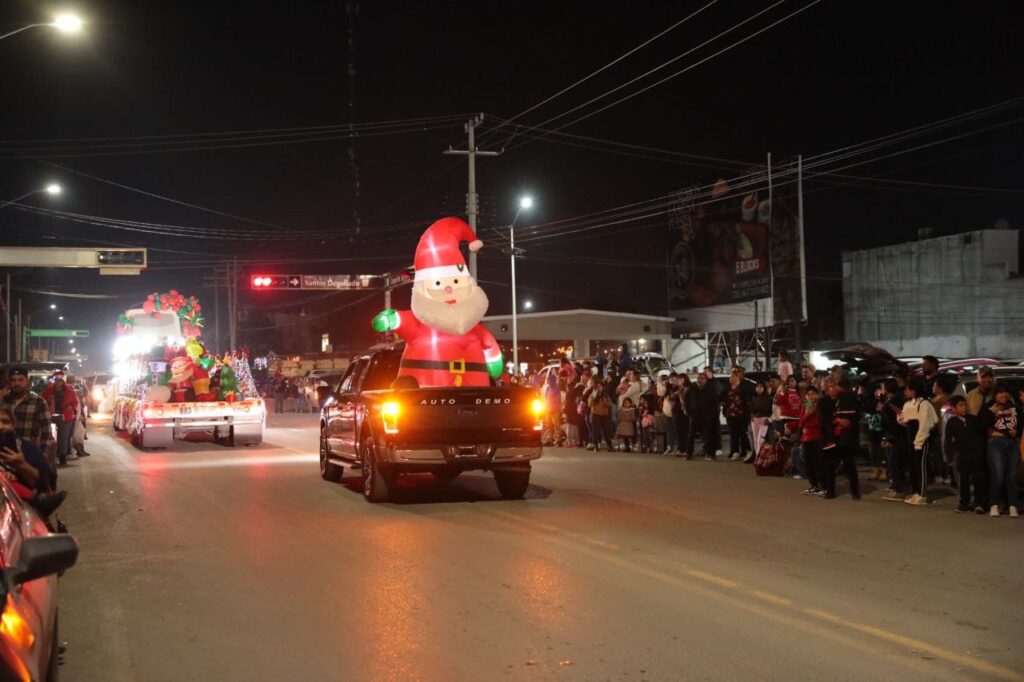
<point>58,333</point>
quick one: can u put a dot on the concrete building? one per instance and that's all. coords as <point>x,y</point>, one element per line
<point>582,329</point>
<point>954,296</point>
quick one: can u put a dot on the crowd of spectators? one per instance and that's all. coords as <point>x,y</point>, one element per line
<point>912,431</point>
<point>38,434</point>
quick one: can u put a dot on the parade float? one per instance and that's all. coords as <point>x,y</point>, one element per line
<point>170,385</point>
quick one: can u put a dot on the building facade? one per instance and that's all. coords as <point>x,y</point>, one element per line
<point>954,296</point>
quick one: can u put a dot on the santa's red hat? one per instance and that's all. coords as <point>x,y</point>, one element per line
<point>438,255</point>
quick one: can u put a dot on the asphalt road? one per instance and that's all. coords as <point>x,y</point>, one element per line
<point>208,563</point>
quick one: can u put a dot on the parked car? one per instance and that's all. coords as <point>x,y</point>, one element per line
<point>443,431</point>
<point>101,392</point>
<point>323,382</point>
<point>1012,377</point>
<point>30,560</point>
<point>865,361</point>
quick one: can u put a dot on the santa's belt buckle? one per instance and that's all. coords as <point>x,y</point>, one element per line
<point>457,366</point>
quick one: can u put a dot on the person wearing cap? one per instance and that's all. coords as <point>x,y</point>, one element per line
<point>446,345</point>
<point>31,414</point>
<point>981,395</point>
<point>63,405</point>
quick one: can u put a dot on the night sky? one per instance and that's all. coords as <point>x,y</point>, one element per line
<point>836,74</point>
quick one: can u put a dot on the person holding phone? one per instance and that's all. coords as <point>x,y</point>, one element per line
<point>26,468</point>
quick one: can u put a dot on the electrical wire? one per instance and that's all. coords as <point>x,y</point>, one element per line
<point>152,139</point>
<point>605,67</point>
<point>672,61</point>
<point>240,145</point>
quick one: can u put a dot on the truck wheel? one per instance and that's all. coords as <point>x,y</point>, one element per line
<point>329,471</point>
<point>376,478</point>
<point>512,483</point>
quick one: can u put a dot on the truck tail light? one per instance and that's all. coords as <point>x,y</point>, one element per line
<point>538,414</point>
<point>389,412</point>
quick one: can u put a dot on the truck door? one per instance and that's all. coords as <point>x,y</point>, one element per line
<point>344,396</point>
<point>345,424</point>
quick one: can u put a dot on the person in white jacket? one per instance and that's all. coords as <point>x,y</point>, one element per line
<point>919,418</point>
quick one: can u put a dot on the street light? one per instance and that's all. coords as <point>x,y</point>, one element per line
<point>60,317</point>
<point>525,204</point>
<point>527,305</point>
<point>53,306</point>
<point>65,23</point>
<point>53,189</point>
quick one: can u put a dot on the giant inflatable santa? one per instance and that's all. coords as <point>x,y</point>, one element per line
<point>445,343</point>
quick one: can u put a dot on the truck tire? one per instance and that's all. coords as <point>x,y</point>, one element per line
<point>377,479</point>
<point>512,483</point>
<point>329,471</point>
<point>446,475</point>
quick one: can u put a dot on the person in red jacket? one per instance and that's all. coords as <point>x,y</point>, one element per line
<point>63,403</point>
<point>789,402</point>
<point>810,440</point>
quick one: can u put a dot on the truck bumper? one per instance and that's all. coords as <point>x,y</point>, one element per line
<point>467,457</point>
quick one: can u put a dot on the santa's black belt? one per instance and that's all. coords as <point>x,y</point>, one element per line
<point>453,366</point>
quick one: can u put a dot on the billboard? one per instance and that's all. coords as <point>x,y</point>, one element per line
<point>736,262</point>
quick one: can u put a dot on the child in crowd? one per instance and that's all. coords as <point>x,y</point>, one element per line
<point>810,441</point>
<point>626,429</point>
<point>873,419</point>
<point>965,446</point>
<point>760,414</point>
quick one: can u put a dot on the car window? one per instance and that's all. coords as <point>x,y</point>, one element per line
<point>354,375</point>
<point>382,372</point>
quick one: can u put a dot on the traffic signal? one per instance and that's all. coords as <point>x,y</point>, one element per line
<point>268,281</point>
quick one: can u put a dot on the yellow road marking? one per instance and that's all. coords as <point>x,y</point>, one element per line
<point>773,598</point>
<point>978,665</point>
<point>714,579</point>
<point>968,662</point>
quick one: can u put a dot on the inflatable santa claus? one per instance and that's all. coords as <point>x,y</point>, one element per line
<point>445,343</point>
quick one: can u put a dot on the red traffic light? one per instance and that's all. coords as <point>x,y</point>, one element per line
<point>268,281</point>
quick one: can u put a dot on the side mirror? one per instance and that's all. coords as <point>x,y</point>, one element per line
<point>42,556</point>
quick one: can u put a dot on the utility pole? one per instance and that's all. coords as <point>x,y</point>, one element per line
<point>232,301</point>
<point>472,200</point>
<point>7,315</point>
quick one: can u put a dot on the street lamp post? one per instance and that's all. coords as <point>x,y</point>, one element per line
<point>525,203</point>
<point>53,189</point>
<point>65,23</point>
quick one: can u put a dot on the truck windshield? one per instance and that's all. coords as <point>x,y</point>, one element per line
<point>382,372</point>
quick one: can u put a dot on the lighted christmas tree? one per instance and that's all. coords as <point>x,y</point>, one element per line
<point>246,385</point>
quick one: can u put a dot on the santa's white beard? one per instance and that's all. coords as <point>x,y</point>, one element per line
<point>455,319</point>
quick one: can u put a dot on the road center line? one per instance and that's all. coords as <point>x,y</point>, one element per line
<point>785,605</point>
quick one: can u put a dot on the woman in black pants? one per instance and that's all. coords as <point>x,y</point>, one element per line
<point>736,410</point>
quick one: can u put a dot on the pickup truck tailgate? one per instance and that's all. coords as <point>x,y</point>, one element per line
<point>449,416</point>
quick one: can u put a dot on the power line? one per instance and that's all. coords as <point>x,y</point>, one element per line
<point>143,139</point>
<point>340,135</point>
<point>609,64</point>
<point>671,61</point>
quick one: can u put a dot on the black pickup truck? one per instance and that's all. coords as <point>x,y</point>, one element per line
<point>389,431</point>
